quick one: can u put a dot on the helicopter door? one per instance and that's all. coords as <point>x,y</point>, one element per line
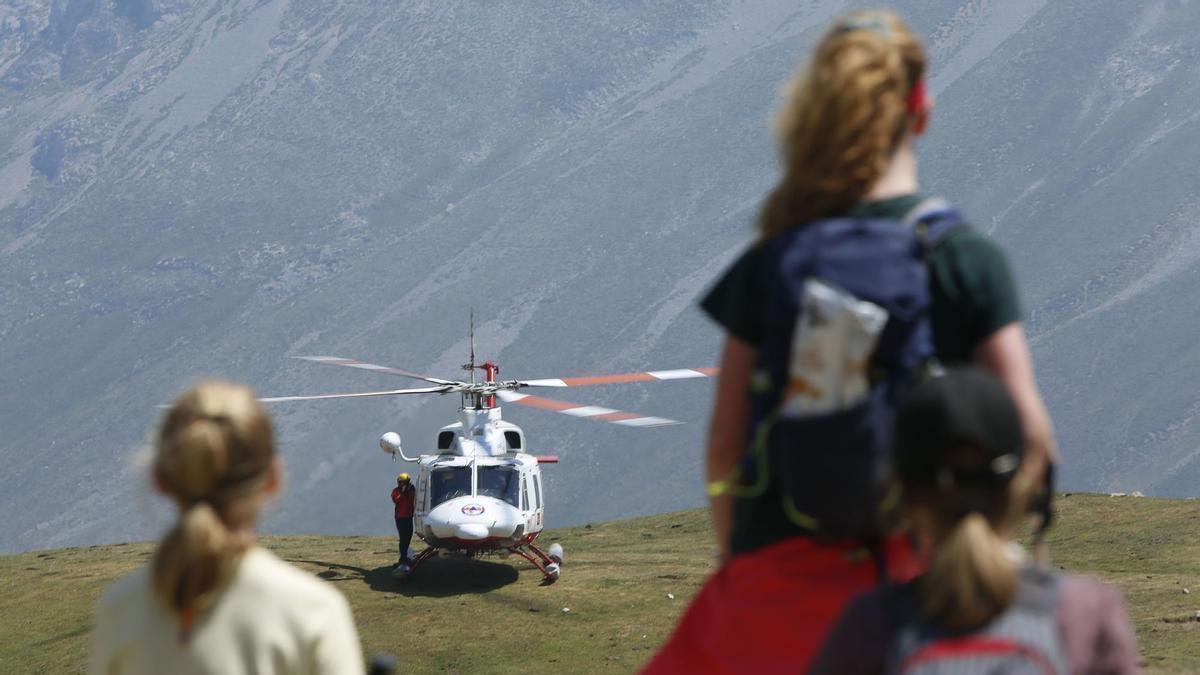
<point>537,495</point>
<point>423,494</point>
<point>531,503</point>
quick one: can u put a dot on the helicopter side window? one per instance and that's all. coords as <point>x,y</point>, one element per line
<point>499,482</point>
<point>513,439</point>
<point>448,483</point>
<point>525,504</point>
<point>537,490</point>
<point>445,440</point>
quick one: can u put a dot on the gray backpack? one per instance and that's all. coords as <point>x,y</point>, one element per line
<point>1024,639</point>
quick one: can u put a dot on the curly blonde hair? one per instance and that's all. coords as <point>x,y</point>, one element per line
<point>845,116</point>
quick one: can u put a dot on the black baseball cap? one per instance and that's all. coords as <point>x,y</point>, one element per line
<point>958,430</point>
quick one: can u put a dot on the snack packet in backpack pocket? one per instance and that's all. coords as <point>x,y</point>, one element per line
<point>834,339</point>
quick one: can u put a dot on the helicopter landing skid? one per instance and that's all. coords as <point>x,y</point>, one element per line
<point>547,565</point>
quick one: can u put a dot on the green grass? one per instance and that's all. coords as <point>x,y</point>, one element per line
<point>493,615</point>
<point>1150,548</point>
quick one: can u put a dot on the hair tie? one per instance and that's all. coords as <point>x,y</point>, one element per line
<point>192,502</point>
<point>870,24</point>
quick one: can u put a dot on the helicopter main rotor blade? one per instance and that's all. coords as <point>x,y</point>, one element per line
<point>648,376</point>
<point>393,392</point>
<point>593,412</point>
<point>352,363</point>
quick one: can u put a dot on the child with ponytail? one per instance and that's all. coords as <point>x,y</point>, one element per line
<point>211,600</point>
<point>980,607</point>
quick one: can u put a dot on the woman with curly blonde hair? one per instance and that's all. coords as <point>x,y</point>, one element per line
<point>848,133</point>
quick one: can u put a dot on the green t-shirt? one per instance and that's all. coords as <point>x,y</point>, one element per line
<point>972,292</point>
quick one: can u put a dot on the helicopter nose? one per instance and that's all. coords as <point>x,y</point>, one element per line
<point>472,531</point>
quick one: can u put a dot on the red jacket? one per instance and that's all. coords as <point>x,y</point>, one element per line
<point>404,499</point>
<point>769,610</point>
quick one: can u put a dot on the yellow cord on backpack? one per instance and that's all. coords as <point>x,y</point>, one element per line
<point>718,488</point>
<point>732,485</point>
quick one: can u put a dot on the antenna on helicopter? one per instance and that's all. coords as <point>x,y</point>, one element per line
<point>470,367</point>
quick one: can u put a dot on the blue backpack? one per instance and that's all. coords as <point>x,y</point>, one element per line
<point>848,332</point>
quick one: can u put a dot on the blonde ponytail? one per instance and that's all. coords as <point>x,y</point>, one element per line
<point>197,557</point>
<point>845,117</point>
<point>215,450</point>
<point>972,577</point>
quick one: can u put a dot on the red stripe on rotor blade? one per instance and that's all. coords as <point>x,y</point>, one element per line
<point>712,370</point>
<point>609,379</point>
<point>545,403</point>
<point>616,417</point>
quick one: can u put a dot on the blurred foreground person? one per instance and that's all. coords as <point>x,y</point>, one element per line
<point>857,288</point>
<point>981,608</point>
<point>212,601</point>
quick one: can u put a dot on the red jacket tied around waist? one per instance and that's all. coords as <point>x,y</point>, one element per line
<point>404,498</point>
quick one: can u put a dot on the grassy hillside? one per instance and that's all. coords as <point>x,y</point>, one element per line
<point>493,615</point>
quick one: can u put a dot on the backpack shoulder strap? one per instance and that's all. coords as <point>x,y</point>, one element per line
<point>1038,591</point>
<point>933,220</point>
<point>925,209</point>
<point>901,603</point>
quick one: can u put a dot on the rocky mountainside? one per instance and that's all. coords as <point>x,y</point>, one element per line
<point>210,187</point>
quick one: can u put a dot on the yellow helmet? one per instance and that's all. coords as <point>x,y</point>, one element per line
<point>402,478</point>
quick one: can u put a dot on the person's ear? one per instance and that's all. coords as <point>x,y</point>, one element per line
<point>274,477</point>
<point>921,116</point>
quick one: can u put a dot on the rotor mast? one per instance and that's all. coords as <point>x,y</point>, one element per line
<point>479,400</point>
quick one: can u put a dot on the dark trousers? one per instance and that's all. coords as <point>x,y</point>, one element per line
<point>404,528</point>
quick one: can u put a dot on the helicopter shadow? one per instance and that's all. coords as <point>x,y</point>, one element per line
<point>438,577</point>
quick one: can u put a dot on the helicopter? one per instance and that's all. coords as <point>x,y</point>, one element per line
<point>480,490</point>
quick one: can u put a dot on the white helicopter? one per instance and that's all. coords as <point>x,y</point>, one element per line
<point>481,490</point>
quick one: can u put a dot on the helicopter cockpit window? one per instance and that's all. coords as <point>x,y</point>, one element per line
<point>448,483</point>
<point>500,482</point>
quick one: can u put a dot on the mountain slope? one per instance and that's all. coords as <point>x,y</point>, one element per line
<point>208,188</point>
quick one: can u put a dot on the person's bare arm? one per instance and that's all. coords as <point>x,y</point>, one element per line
<point>1006,354</point>
<point>727,433</point>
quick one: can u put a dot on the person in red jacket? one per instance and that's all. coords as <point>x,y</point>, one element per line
<point>404,496</point>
